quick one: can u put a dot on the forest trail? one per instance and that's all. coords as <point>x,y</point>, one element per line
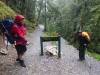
<point>44,65</point>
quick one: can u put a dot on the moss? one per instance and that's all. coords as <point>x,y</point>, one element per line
<point>94,55</point>
<point>50,34</point>
<point>31,26</point>
<point>6,11</point>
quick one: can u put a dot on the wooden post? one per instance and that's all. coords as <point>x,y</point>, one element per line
<point>59,47</point>
<point>41,43</point>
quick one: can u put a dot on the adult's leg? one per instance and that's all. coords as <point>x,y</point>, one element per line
<point>82,52</point>
<point>22,51</point>
<point>18,49</point>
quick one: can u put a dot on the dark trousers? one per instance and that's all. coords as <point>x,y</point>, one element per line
<point>82,49</point>
<point>21,49</point>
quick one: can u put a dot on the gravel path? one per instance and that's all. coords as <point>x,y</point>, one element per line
<point>44,65</point>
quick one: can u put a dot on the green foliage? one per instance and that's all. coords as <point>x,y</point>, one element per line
<point>31,26</point>
<point>94,55</point>
<point>24,7</point>
<point>50,34</point>
<point>6,11</point>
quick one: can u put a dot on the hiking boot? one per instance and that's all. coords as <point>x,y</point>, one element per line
<point>81,59</point>
<point>22,63</point>
<point>17,59</point>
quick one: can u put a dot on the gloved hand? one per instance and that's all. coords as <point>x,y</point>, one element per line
<point>85,45</point>
<point>28,43</point>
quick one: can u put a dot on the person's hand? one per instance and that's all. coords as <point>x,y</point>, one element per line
<point>27,43</point>
<point>85,45</point>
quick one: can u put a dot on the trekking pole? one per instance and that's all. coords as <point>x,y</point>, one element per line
<point>5,29</point>
<point>7,45</point>
<point>4,35</point>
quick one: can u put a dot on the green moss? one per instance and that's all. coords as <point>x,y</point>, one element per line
<point>31,26</point>
<point>6,11</point>
<point>50,34</point>
<point>94,55</point>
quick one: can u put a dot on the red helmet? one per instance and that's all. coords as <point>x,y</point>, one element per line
<point>19,18</point>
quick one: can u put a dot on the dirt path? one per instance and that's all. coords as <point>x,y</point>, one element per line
<point>44,65</point>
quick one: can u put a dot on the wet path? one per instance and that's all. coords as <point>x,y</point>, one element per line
<point>44,65</point>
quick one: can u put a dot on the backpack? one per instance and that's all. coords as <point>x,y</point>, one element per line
<point>7,27</point>
<point>86,35</point>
